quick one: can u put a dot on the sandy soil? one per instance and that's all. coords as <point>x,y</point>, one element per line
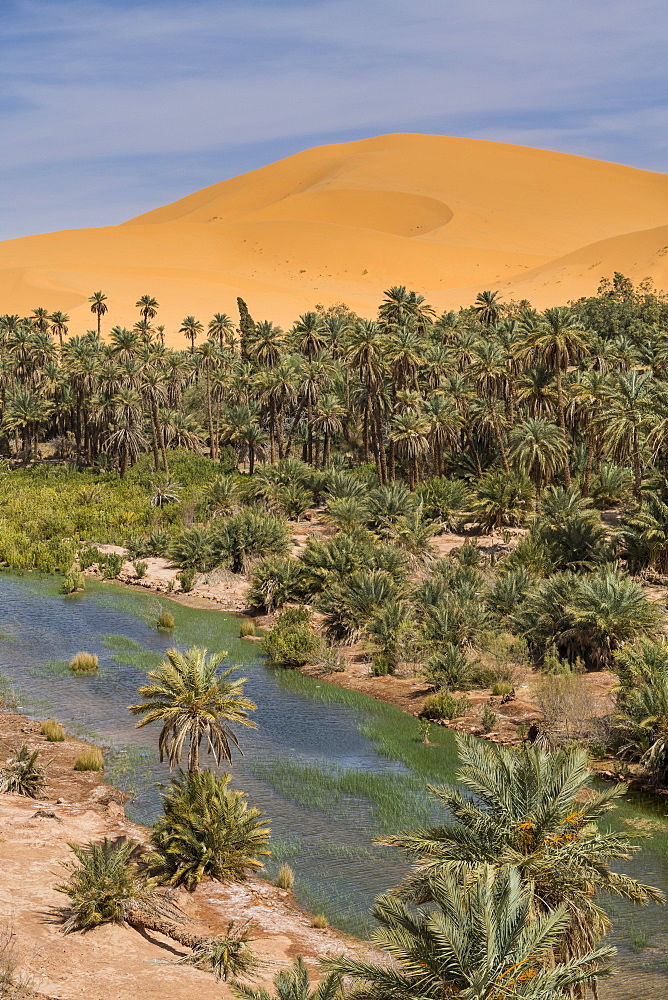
<point>446,216</point>
<point>117,962</point>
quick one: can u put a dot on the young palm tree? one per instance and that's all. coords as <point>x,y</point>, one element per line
<point>207,831</point>
<point>194,703</point>
<point>527,809</point>
<point>107,885</point>
<point>98,301</point>
<point>479,939</point>
<point>293,984</point>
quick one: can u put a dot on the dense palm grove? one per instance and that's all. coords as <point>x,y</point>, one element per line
<point>547,430</point>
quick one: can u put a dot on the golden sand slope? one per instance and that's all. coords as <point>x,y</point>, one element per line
<point>447,217</point>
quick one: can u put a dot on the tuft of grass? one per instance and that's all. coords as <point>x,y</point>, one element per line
<point>638,941</point>
<point>501,687</point>
<point>320,921</point>
<point>53,731</point>
<point>286,877</point>
<point>90,760</point>
<point>84,663</point>
<point>247,627</point>
<point>165,622</point>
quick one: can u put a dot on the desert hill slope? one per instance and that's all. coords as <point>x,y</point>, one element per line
<point>445,216</point>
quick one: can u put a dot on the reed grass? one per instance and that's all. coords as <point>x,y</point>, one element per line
<point>84,663</point>
<point>320,921</point>
<point>247,627</point>
<point>90,760</point>
<point>286,877</point>
<point>53,731</point>
<point>165,622</point>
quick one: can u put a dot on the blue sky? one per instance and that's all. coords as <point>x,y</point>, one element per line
<point>111,107</point>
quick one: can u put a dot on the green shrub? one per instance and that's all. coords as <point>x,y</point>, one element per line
<point>291,643</point>
<point>207,830</point>
<point>140,569</point>
<point>90,760</point>
<point>187,579</point>
<point>113,564</point>
<point>444,705</point>
<point>22,775</point>
<point>84,663</point>
<point>286,877</point>
<point>156,544</point>
<point>165,621</point>
<point>276,581</point>
<point>489,720</point>
<point>88,556</point>
<point>192,550</point>
<point>247,627</point>
<point>73,582</point>
<point>53,731</point>
<point>247,536</point>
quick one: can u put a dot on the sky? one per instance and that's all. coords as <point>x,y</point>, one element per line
<point>109,108</point>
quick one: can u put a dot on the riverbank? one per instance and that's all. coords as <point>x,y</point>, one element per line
<point>116,962</point>
<point>534,701</point>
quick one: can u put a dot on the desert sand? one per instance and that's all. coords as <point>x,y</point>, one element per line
<point>444,216</point>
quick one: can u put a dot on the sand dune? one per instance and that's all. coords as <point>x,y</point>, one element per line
<point>445,216</point>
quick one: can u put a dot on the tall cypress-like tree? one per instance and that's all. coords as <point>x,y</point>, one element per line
<point>246,327</point>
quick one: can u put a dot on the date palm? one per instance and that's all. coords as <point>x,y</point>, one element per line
<point>479,940</point>
<point>59,321</point>
<point>488,308</point>
<point>98,306</point>
<point>148,308</point>
<point>527,809</point>
<point>222,328</point>
<point>538,448</point>
<point>627,417</point>
<point>293,984</point>
<point>191,329</point>
<point>409,431</point>
<point>194,703</point>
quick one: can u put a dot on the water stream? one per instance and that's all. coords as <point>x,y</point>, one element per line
<point>330,768</point>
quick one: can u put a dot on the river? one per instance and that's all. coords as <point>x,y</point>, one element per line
<point>330,768</point>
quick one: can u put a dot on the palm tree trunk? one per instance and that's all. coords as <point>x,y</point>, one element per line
<point>141,920</point>
<point>586,485</point>
<point>209,414</point>
<point>499,442</point>
<point>562,424</point>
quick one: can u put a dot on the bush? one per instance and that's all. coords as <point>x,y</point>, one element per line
<point>88,556</point>
<point>276,581</point>
<point>53,731</point>
<point>113,564</point>
<point>286,877</point>
<point>140,569</point>
<point>247,627</point>
<point>451,668</point>
<point>90,760</point>
<point>489,720</point>
<point>187,580</point>
<point>320,921</point>
<point>291,643</point>
<point>84,663</point>
<point>207,830</point>
<point>73,582</point>
<point>165,621</point>
<point>192,550</point>
<point>22,775</point>
<point>444,705</point>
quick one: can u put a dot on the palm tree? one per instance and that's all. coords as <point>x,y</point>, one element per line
<point>191,329</point>
<point>538,448</point>
<point>293,984</point>
<point>148,308</point>
<point>488,308</point>
<point>195,703</point>
<point>409,431</point>
<point>310,335</point>
<point>641,719</point>
<point>40,319</point>
<point>207,830</point>
<point>479,939</point>
<point>627,417</point>
<point>59,321</point>
<point>556,342</point>
<point>527,810</point>
<point>222,327</point>
<point>98,301</point>
<point>126,440</point>
<point>106,884</point>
